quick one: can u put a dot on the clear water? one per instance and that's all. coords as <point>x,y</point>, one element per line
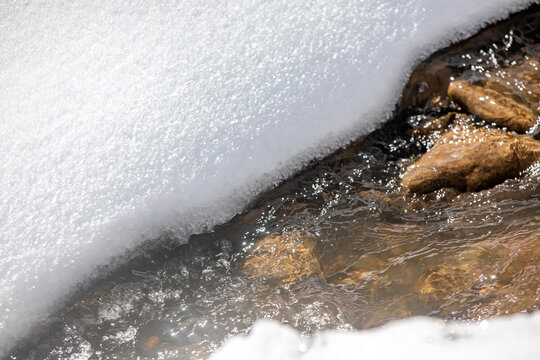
<point>382,255</point>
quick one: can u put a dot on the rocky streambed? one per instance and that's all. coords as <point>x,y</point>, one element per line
<point>434,214</point>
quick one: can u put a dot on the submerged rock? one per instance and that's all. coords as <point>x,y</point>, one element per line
<point>157,336</point>
<point>429,131</point>
<point>502,270</point>
<point>435,126</point>
<point>471,159</point>
<point>521,82</point>
<point>440,282</point>
<point>286,257</point>
<point>492,106</point>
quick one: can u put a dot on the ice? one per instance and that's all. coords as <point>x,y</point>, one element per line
<point>514,337</point>
<point>121,120</point>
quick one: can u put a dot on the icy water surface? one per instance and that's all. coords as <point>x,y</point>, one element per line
<point>373,254</point>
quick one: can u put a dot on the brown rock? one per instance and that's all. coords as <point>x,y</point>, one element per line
<point>434,128</point>
<point>471,159</point>
<point>492,106</point>
<point>440,124</point>
<point>427,86</point>
<point>286,257</point>
<point>521,82</point>
<point>151,343</point>
<point>504,272</point>
<point>440,282</point>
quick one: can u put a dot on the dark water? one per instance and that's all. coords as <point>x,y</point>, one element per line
<point>358,251</point>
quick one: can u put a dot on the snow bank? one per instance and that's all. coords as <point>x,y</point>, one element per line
<point>514,337</point>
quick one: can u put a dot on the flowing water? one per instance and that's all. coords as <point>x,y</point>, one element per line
<point>375,254</point>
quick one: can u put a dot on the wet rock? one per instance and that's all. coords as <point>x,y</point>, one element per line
<point>354,279</point>
<point>504,271</point>
<point>471,159</point>
<point>156,336</point>
<point>492,106</point>
<point>398,310</point>
<point>440,282</point>
<point>429,131</point>
<point>149,345</point>
<point>286,257</point>
<point>435,127</point>
<point>474,254</point>
<point>515,252</point>
<point>426,88</point>
<point>521,82</point>
<point>365,269</point>
<point>382,200</point>
<point>402,307</point>
<point>383,273</point>
<point>367,262</point>
<point>396,200</point>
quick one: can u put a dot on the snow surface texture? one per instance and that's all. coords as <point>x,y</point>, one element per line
<point>513,337</point>
<point>120,120</point>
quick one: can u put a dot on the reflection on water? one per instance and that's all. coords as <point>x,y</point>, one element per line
<point>339,246</point>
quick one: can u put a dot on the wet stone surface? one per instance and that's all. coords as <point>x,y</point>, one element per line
<point>286,257</point>
<point>492,106</point>
<point>471,159</point>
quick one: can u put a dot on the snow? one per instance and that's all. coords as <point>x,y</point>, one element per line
<point>514,337</point>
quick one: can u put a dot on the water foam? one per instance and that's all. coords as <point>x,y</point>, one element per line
<point>124,119</point>
<point>514,337</point>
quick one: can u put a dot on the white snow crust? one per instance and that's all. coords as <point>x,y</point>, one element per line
<point>514,337</point>
<point>123,119</point>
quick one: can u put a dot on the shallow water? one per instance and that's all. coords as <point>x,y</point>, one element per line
<point>381,255</point>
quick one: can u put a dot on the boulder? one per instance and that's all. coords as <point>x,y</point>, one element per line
<point>471,159</point>
<point>492,106</point>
